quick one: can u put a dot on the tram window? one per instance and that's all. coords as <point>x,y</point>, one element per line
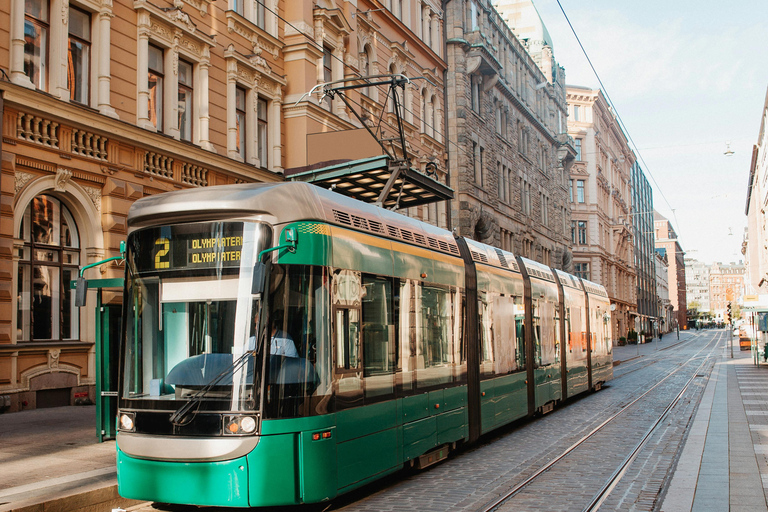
<point>486,309</point>
<point>435,337</point>
<point>347,339</point>
<point>520,329</point>
<point>378,336</point>
<point>547,332</point>
<point>505,339</point>
<point>407,334</point>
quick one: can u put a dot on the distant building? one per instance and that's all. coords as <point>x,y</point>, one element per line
<point>697,284</point>
<point>726,284</point>
<point>509,152</point>
<point>648,307</point>
<point>667,244</point>
<point>662,290</point>
<point>600,194</point>
<point>754,247</point>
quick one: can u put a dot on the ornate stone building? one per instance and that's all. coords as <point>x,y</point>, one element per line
<point>508,150</point>
<point>106,102</point>
<point>726,285</point>
<point>754,247</point>
<point>668,246</point>
<point>329,41</point>
<point>601,201</point>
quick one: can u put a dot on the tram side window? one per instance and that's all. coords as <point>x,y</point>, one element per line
<point>506,336</point>
<point>487,338</point>
<point>577,336</point>
<point>407,318</point>
<point>378,337</point>
<point>347,339</point>
<point>520,329</point>
<point>548,342</point>
<point>435,336</point>
<point>607,338</point>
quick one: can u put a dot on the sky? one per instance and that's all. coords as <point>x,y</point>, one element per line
<point>687,78</point>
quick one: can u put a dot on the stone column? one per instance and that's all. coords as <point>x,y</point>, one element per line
<point>142,72</point>
<point>204,117</point>
<point>58,48</point>
<point>104,77</point>
<point>17,45</point>
<point>274,128</point>
<point>232,109</point>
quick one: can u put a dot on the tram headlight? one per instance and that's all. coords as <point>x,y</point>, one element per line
<point>248,424</point>
<point>126,421</point>
<point>239,425</point>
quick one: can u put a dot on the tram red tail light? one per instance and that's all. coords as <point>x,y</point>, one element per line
<point>316,436</point>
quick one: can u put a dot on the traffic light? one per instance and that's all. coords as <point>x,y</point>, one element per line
<point>728,313</point>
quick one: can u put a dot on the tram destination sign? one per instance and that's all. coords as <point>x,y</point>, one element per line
<point>187,247</point>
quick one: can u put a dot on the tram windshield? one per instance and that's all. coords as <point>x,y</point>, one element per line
<point>192,313</point>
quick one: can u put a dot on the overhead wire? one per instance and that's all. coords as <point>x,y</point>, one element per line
<point>382,88</point>
<point>616,111</point>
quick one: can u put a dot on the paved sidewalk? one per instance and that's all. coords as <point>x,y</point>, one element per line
<point>723,464</point>
<point>52,457</point>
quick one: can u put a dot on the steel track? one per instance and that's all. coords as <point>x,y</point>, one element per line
<point>610,484</point>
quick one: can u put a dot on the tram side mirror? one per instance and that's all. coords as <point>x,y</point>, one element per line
<point>259,275</point>
<point>81,292</point>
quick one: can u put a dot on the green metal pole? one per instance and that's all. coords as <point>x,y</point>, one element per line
<point>99,372</point>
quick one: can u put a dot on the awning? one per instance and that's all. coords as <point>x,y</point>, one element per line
<point>364,180</point>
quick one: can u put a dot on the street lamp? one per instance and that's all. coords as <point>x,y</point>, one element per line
<point>729,152</point>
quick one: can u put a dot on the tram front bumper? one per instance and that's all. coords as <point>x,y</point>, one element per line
<point>219,483</point>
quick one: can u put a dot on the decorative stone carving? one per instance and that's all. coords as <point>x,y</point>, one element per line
<point>95,195</point>
<point>20,180</point>
<point>62,178</point>
<point>53,358</point>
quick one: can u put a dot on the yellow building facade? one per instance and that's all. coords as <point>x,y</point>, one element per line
<point>105,102</point>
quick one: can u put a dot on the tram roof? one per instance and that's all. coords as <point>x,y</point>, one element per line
<point>282,203</point>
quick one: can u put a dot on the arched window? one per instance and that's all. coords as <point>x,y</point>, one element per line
<point>366,68</point>
<point>48,261</point>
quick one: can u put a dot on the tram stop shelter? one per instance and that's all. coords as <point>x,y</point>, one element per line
<point>353,163</point>
<point>755,307</point>
<point>365,179</point>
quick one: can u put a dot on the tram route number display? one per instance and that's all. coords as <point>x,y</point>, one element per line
<point>189,247</point>
<point>199,252</point>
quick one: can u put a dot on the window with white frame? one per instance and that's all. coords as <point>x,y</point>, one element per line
<point>175,59</point>
<point>36,30</point>
<point>474,15</point>
<point>79,55</point>
<point>155,84</point>
<point>252,10</point>
<point>240,122</point>
<point>263,131</point>
<point>577,146</point>
<point>475,93</point>
<point>580,191</point>
<point>327,70</point>
<point>185,96</point>
<point>48,261</point>
<point>582,270</point>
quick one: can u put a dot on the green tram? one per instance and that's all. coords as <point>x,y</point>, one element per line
<point>285,344</point>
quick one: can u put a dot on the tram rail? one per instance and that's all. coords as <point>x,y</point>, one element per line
<point>612,481</point>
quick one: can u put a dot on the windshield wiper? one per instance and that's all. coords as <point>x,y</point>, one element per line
<point>184,414</point>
